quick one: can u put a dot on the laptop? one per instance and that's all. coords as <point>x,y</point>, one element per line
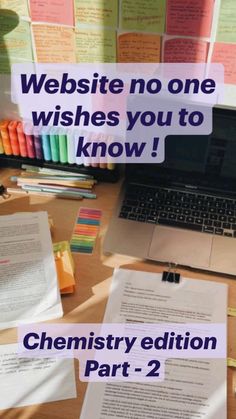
<point>182,211</point>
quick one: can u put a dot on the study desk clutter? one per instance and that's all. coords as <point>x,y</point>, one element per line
<point>93,278</point>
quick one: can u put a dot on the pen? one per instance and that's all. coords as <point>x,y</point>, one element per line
<point>43,193</point>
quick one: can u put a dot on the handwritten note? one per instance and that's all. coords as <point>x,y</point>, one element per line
<point>95,45</point>
<point>15,41</point>
<point>183,50</point>
<point>60,11</point>
<point>139,48</point>
<point>189,17</point>
<point>18,6</point>
<point>227,21</point>
<point>143,15</point>
<point>225,54</point>
<point>96,12</point>
<point>54,44</point>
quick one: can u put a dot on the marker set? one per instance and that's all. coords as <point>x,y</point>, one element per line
<point>85,231</point>
<point>48,144</point>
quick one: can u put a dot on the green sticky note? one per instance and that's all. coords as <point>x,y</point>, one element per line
<point>15,41</point>
<point>96,12</point>
<point>226,31</point>
<point>18,6</point>
<point>143,15</point>
<point>95,45</point>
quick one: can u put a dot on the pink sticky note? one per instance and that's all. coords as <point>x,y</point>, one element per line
<point>189,17</point>
<point>60,11</point>
<point>226,55</point>
<point>184,50</point>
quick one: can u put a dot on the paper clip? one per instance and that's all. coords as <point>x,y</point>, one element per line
<point>170,276</point>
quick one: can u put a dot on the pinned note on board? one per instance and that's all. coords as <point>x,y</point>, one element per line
<point>184,50</point>
<point>60,11</point>
<point>95,45</point>
<point>143,15</point>
<point>96,12</point>
<point>54,44</point>
<point>191,19</point>
<point>226,31</point>
<point>135,47</point>
<point>225,54</point>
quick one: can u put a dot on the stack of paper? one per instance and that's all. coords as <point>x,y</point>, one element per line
<point>28,279</point>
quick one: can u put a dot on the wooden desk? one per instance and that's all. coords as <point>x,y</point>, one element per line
<point>93,278</point>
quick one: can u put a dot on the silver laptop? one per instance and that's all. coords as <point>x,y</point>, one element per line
<point>184,210</point>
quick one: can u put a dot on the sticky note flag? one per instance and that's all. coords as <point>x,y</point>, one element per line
<point>60,11</point>
<point>86,230</point>
<point>96,12</point>
<point>139,48</point>
<point>143,15</point>
<point>189,17</point>
<point>231,312</point>
<point>226,31</point>
<point>54,44</point>
<point>226,54</point>
<point>20,7</point>
<point>95,45</point>
<point>15,41</point>
<point>185,50</point>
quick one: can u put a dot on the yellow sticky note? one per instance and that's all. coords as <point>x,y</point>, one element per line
<point>18,6</point>
<point>95,45</point>
<point>226,31</point>
<point>231,311</point>
<point>143,15</point>
<point>231,362</point>
<point>96,12</point>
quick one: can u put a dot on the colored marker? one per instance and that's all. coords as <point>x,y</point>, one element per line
<point>62,146</point>
<point>54,144</point>
<point>46,144</point>
<point>5,137</point>
<point>38,143</point>
<point>14,137</point>
<point>28,129</point>
<point>21,140</point>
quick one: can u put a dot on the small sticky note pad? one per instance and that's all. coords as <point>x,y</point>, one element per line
<point>85,231</point>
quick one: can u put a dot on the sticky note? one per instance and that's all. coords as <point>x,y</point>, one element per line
<point>185,50</point>
<point>231,362</point>
<point>231,312</point>
<point>95,45</point>
<point>20,7</point>
<point>54,44</point>
<point>226,54</point>
<point>226,31</point>
<point>60,11</point>
<point>189,17</point>
<point>15,41</point>
<point>85,230</point>
<point>96,12</point>
<point>143,15</point>
<point>139,48</point>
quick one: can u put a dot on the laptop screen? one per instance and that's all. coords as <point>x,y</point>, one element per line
<point>204,161</point>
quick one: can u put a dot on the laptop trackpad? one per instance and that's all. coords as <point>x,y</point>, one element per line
<point>183,247</point>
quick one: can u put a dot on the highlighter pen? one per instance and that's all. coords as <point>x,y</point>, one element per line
<point>70,146</point>
<point>54,144</point>
<point>38,144</point>
<point>21,140</point>
<point>29,140</point>
<point>5,137</point>
<point>46,144</point>
<point>62,146</point>
<point>14,137</point>
<point>1,145</point>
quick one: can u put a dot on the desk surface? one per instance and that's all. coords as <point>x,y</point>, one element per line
<point>93,278</point>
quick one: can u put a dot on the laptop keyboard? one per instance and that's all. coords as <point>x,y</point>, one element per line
<point>204,213</point>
